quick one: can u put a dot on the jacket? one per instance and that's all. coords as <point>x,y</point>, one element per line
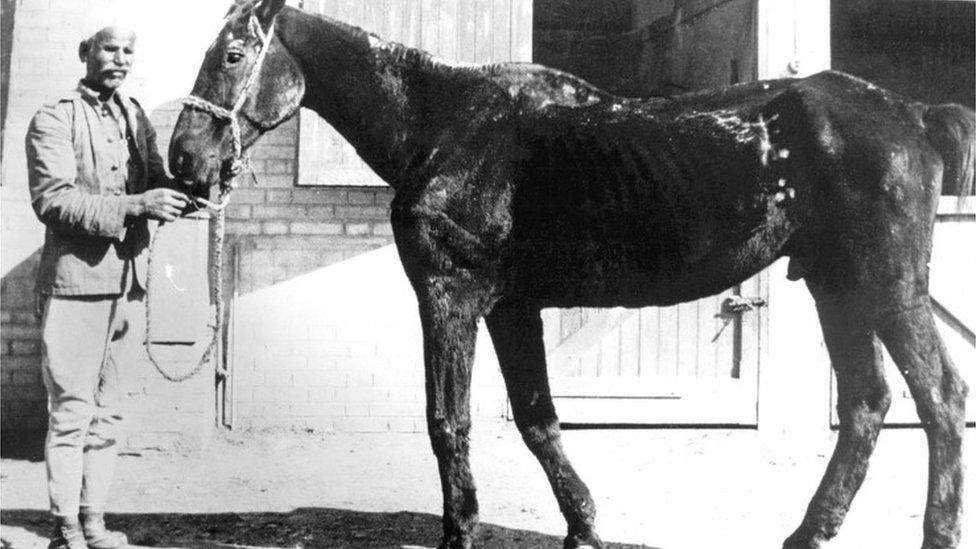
<point>89,242</point>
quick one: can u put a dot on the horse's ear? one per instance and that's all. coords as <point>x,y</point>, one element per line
<point>266,10</point>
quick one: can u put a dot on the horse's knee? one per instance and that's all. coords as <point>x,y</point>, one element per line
<point>449,438</point>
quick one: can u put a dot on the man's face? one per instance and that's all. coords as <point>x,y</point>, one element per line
<point>108,57</point>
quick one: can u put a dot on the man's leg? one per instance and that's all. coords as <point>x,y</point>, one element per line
<point>127,334</point>
<point>74,337</point>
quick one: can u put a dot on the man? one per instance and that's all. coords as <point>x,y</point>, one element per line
<point>96,180</point>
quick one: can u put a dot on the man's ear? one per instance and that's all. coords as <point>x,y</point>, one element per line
<point>266,10</point>
<point>83,48</point>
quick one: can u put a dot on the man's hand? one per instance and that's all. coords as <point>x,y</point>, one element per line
<point>161,204</point>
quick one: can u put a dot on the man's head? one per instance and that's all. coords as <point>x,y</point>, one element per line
<point>108,56</point>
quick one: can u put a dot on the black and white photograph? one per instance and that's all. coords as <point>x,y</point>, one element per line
<point>487,274</point>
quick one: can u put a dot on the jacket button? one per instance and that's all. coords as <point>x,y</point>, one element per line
<point>115,168</point>
<point>110,140</point>
<point>117,192</point>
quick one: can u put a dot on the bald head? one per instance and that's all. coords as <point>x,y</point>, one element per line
<point>108,56</point>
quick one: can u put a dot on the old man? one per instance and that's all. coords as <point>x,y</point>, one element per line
<point>96,180</point>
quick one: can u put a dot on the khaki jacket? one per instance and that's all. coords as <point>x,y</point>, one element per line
<point>89,243</point>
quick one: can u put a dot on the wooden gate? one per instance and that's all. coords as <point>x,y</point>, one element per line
<point>690,364</point>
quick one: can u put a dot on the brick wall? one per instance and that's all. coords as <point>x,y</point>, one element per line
<point>44,65</point>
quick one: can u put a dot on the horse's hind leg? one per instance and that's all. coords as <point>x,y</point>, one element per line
<point>940,398</point>
<point>863,400</point>
<point>516,331</point>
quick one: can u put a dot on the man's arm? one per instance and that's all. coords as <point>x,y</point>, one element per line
<point>58,201</point>
<point>53,173</point>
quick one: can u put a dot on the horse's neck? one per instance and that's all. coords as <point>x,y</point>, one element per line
<point>352,83</point>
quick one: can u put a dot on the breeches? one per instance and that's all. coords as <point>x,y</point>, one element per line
<point>85,342</point>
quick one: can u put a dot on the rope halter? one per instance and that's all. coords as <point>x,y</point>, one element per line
<point>240,160</point>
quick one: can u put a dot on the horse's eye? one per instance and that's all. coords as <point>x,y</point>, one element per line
<point>234,57</point>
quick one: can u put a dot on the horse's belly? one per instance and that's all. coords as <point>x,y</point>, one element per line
<point>631,275</point>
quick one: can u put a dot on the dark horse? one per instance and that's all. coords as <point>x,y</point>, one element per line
<point>520,187</point>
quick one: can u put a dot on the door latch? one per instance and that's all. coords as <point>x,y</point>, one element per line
<point>733,307</point>
<point>736,305</point>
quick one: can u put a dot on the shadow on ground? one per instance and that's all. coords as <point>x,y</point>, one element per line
<point>305,527</point>
<point>22,445</point>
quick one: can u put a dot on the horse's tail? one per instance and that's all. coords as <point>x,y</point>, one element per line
<point>951,129</point>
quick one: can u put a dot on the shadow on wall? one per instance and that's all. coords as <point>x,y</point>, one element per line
<point>310,527</point>
<point>23,414</point>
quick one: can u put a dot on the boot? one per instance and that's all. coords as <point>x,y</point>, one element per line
<point>67,534</point>
<point>98,536</point>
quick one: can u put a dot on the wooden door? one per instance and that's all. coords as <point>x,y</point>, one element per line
<point>690,364</point>
<point>951,272</point>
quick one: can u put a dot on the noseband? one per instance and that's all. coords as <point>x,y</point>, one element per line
<point>240,160</point>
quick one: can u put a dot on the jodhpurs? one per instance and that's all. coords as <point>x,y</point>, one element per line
<point>85,342</point>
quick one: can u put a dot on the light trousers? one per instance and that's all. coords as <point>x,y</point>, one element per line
<point>86,342</point>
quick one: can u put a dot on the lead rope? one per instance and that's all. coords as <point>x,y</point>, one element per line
<point>215,211</point>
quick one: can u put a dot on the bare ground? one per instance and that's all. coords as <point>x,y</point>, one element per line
<point>658,489</point>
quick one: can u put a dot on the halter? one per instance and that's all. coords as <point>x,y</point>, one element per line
<point>240,160</point>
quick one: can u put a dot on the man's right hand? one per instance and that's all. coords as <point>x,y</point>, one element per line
<point>161,204</point>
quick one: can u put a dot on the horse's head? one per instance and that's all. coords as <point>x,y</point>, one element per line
<point>248,84</point>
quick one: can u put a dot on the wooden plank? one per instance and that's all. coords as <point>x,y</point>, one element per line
<point>630,345</point>
<point>447,29</point>
<point>428,26</point>
<point>687,362</point>
<point>610,353</point>
<point>413,17</point>
<point>707,328</point>
<point>501,22</point>
<point>522,30</point>
<point>668,342</point>
<point>483,25</point>
<point>649,337</point>
<point>466,31</point>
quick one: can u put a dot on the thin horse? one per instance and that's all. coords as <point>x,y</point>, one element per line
<point>520,187</point>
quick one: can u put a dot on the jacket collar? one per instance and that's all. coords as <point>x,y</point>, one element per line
<point>128,106</point>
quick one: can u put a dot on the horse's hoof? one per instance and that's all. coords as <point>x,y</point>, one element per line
<point>804,539</point>
<point>456,542</point>
<point>583,541</point>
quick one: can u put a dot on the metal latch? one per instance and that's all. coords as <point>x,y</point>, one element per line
<point>736,305</point>
<point>733,307</point>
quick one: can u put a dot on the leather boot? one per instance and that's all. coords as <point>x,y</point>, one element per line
<point>97,536</point>
<point>67,534</point>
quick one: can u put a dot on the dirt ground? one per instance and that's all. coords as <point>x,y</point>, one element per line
<point>667,489</point>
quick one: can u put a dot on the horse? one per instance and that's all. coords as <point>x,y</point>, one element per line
<point>519,187</point>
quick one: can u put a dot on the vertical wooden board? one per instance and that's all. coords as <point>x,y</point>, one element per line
<point>630,344</point>
<point>373,18</point>
<point>668,342</point>
<point>707,328</point>
<point>590,362</point>
<point>610,353</point>
<point>501,22</point>
<point>483,23</point>
<point>447,29</point>
<point>725,345</point>
<point>687,364</point>
<point>466,31</point>
<point>428,26</point>
<point>522,30</point>
<point>412,18</point>
<point>649,341</point>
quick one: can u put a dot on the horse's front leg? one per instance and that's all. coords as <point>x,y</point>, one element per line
<point>449,329</point>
